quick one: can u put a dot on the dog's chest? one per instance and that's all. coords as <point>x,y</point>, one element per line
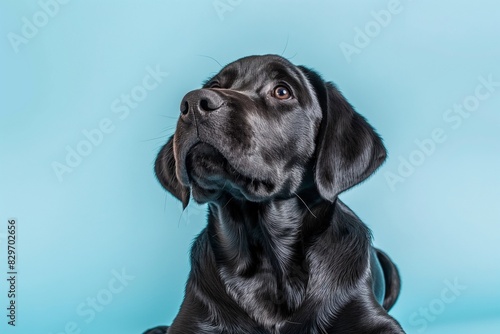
<point>266,296</point>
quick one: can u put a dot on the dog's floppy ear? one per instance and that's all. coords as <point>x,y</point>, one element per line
<point>165,172</point>
<point>348,150</point>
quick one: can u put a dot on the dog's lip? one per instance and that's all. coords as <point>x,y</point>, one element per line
<point>235,181</point>
<point>225,164</point>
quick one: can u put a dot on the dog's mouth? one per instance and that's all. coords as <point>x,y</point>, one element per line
<point>210,174</point>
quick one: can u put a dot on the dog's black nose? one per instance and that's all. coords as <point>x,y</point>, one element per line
<point>200,102</point>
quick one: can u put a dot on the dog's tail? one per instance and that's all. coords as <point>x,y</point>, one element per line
<point>157,330</point>
<point>392,280</point>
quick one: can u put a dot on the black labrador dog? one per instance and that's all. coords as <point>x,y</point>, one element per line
<point>270,146</point>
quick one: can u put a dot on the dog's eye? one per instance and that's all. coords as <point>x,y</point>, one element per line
<point>282,93</point>
<point>214,84</point>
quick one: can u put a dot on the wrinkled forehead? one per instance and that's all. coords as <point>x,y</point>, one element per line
<point>256,71</point>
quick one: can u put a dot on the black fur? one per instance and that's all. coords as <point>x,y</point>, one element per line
<point>280,253</point>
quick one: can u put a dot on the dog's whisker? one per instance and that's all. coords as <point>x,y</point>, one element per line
<point>169,128</point>
<point>180,217</point>
<point>305,205</point>
<point>156,138</point>
<point>212,59</point>
<point>286,45</point>
<point>227,202</point>
<point>290,58</point>
<point>166,116</point>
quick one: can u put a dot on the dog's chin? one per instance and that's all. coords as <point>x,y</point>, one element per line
<point>211,176</point>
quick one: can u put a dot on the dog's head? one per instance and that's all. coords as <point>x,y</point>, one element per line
<point>257,128</point>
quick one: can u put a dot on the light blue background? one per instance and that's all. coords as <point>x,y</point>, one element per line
<point>440,224</point>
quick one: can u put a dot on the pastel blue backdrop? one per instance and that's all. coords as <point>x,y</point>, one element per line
<point>103,249</point>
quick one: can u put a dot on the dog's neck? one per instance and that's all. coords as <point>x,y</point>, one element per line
<point>265,244</point>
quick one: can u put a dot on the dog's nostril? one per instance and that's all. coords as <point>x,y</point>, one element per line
<point>208,105</point>
<point>204,105</point>
<point>184,108</point>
